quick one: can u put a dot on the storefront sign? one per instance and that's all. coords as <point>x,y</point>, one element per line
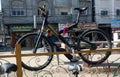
<point>61,26</point>
<point>89,25</point>
<point>115,23</point>
<point>22,28</point>
<point>83,25</point>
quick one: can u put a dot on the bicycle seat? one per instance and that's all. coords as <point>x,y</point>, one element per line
<point>7,68</point>
<point>81,9</point>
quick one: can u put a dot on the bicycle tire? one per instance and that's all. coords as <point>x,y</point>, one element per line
<point>116,72</point>
<point>26,46</point>
<point>101,40</point>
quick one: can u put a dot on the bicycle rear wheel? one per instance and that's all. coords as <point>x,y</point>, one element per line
<point>34,63</point>
<point>101,41</point>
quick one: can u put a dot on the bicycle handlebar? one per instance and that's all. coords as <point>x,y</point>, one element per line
<point>44,13</point>
<point>81,9</point>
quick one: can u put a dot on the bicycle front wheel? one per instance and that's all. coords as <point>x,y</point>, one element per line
<point>99,40</point>
<point>34,63</point>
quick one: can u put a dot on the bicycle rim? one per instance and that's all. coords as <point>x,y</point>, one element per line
<point>34,63</point>
<point>101,41</point>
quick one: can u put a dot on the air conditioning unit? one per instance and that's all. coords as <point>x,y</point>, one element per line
<point>88,0</point>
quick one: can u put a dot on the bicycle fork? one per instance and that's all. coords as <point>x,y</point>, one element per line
<point>36,45</point>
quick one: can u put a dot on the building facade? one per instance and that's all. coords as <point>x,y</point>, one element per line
<point>22,11</point>
<point>106,11</point>
<point>18,15</point>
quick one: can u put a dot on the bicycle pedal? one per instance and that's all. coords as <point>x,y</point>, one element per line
<point>74,67</point>
<point>74,60</point>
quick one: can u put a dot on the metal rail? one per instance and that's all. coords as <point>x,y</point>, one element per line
<point>18,55</point>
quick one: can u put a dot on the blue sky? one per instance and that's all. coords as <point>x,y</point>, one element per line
<point>0,4</point>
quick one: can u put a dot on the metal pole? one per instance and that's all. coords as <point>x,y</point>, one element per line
<point>3,28</point>
<point>34,17</point>
<point>19,60</point>
<point>93,11</point>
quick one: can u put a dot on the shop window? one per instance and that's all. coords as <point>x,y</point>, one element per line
<point>104,13</point>
<point>118,12</point>
<point>64,13</point>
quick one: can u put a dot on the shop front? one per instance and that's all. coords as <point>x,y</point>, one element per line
<point>19,30</point>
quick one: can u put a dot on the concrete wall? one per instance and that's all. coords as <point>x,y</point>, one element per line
<point>110,6</point>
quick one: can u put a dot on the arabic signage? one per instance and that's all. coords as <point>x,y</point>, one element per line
<point>21,28</point>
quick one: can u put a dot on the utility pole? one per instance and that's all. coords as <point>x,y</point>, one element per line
<point>93,10</point>
<point>3,28</point>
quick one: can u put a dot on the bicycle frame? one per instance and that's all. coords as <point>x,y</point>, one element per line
<point>46,23</point>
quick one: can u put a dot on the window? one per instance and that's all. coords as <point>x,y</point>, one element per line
<point>18,8</point>
<point>104,12</point>
<point>13,12</point>
<point>118,12</point>
<point>64,13</point>
<point>18,12</point>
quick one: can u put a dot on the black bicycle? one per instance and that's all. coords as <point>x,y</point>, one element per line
<point>37,42</point>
